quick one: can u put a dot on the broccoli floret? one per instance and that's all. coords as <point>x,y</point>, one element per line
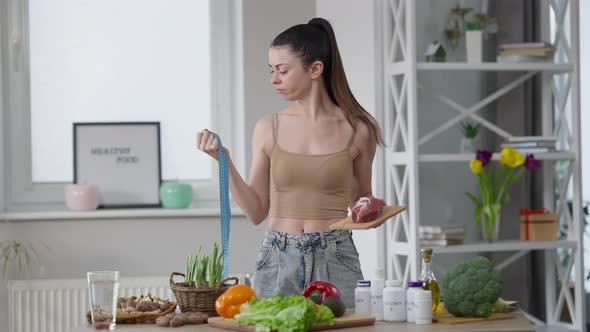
<point>471,288</point>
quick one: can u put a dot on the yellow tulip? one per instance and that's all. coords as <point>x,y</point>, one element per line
<point>476,166</point>
<point>511,158</point>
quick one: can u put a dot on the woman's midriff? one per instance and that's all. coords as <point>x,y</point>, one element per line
<point>298,226</point>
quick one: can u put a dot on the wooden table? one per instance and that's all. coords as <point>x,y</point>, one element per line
<point>518,324</point>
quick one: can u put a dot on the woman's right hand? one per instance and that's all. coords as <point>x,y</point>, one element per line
<point>207,143</point>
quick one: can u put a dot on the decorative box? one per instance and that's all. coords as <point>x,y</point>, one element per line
<point>537,225</point>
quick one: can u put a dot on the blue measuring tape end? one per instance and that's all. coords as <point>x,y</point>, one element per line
<point>224,202</point>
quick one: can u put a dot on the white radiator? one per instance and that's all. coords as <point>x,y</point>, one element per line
<point>59,305</point>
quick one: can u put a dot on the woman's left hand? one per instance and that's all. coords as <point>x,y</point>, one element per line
<point>207,143</point>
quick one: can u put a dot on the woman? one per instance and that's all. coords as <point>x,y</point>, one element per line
<point>310,162</point>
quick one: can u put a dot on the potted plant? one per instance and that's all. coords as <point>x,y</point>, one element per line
<point>455,27</point>
<point>20,253</point>
<point>203,282</point>
<point>470,131</point>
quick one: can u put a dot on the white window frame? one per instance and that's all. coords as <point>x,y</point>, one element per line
<point>17,191</point>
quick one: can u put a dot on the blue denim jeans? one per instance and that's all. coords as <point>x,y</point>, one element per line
<point>286,263</point>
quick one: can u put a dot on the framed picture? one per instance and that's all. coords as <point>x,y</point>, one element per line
<point>122,159</point>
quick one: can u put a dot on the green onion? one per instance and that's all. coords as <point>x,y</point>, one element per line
<point>204,271</point>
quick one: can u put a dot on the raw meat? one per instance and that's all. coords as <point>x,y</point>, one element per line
<point>367,209</point>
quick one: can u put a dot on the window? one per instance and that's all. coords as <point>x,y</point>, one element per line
<point>113,61</point>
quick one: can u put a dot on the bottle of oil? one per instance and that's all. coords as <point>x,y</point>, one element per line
<point>427,277</point>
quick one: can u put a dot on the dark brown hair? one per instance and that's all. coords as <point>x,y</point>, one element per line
<point>315,41</point>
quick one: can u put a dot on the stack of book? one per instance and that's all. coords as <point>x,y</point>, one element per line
<point>531,144</point>
<point>441,235</point>
<point>525,52</point>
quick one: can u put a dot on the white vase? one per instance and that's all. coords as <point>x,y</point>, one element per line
<point>473,43</point>
<point>467,145</point>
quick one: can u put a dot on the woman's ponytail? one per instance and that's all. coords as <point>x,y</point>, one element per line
<point>337,84</point>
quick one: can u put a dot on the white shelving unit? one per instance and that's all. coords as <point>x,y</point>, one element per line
<point>507,245</point>
<point>494,66</point>
<point>462,157</point>
<point>402,158</point>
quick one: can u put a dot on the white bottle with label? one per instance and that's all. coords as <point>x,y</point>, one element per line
<point>413,287</point>
<point>377,286</point>
<point>394,301</point>
<point>423,307</point>
<point>362,298</point>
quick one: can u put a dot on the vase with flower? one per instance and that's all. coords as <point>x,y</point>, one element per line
<point>493,181</point>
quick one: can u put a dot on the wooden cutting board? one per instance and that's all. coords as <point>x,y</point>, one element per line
<point>387,212</point>
<point>446,318</point>
<point>348,320</point>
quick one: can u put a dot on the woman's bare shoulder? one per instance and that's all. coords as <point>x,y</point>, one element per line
<point>364,136</point>
<point>263,133</point>
<point>264,123</point>
<point>364,141</point>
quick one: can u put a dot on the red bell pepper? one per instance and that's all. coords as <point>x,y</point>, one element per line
<point>325,288</point>
<point>330,296</point>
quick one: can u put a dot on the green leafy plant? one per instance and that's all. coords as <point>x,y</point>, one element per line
<point>284,313</point>
<point>22,253</point>
<point>473,25</point>
<point>202,272</point>
<point>482,19</point>
<point>469,129</point>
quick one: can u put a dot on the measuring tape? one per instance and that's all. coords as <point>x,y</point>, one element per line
<point>224,201</point>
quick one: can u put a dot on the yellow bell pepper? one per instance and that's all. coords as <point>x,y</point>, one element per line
<point>228,304</point>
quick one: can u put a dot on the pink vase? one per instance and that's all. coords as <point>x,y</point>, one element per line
<point>82,197</point>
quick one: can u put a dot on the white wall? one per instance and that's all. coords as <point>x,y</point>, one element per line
<point>3,189</point>
<point>263,21</point>
<point>353,24</point>
<point>2,168</point>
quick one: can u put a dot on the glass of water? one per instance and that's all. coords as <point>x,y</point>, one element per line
<point>103,287</point>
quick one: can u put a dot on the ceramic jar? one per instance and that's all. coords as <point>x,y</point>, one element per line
<point>82,197</point>
<point>175,195</point>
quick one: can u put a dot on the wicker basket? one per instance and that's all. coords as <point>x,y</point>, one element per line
<point>198,299</point>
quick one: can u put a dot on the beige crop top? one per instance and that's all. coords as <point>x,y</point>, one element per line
<point>306,186</point>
